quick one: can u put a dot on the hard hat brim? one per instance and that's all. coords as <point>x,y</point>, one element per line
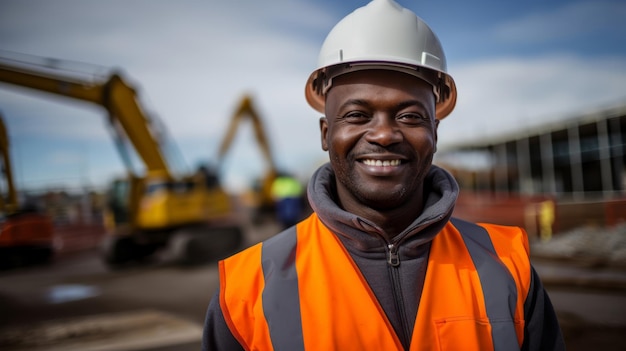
<point>315,91</point>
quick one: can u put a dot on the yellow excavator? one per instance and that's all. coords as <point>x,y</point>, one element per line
<point>26,233</point>
<point>262,197</point>
<point>189,214</point>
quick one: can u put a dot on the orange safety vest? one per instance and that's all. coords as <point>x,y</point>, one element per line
<point>304,291</point>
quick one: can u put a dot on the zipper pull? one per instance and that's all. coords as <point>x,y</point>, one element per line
<point>394,259</point>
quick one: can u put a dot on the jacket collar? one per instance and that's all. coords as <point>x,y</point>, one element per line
<point>441,191</point>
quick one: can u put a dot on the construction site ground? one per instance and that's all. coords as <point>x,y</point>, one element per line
<point>583,271</point>
<point>590,261</point>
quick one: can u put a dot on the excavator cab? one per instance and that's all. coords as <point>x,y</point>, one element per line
<point>118,203</point>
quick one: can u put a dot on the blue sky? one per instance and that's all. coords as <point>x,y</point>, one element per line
<point>516,64</point>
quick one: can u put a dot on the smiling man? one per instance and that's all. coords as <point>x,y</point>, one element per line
<point>381,264</point>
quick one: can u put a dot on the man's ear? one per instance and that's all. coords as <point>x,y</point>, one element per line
<point>324,132</point>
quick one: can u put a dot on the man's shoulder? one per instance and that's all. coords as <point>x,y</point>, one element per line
<point>465,226</point>
<point>492,234</point>
<point>286,235</point>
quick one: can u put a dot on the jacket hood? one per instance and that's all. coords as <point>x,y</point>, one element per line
<point>441,191</point>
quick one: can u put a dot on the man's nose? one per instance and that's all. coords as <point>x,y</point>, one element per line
<point>383,131</point>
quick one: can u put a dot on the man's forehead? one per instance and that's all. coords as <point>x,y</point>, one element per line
<point>355,82</point>
<point>377,76</point>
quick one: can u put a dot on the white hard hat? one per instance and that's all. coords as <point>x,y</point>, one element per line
<point>382,35</point>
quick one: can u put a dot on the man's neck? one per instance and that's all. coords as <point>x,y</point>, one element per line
<point>392,221</point>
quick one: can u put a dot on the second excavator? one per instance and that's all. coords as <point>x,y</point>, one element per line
<point>263,203</point>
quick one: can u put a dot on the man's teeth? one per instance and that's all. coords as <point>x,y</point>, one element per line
<point>379,163</point>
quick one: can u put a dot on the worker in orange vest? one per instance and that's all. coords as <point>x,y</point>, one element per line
<point>381,264</point>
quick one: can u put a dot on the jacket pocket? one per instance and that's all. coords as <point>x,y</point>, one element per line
<point>474,334</point>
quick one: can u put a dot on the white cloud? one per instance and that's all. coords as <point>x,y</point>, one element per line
<point>506,94</point>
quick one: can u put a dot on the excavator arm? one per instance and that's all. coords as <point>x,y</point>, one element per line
<point>117,97</point>
<point>246,109</point>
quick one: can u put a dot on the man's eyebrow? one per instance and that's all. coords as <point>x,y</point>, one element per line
<point>403,104</point>
<point>359,102</point>
<point>410,103</point>
<point>420,104</point>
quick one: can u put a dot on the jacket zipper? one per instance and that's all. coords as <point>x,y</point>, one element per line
<point>394,263</point>
<point>394,259</point>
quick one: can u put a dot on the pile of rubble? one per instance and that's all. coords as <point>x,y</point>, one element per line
<point>597,246</point>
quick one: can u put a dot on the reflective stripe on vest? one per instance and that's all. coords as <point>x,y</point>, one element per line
<point>301,290</point>
<point>280,297</point>
<point>499,289</point>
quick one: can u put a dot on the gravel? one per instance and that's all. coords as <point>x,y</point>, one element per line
<point>603,246</point>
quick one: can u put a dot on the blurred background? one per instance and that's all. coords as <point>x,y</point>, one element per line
<point>153,131</point>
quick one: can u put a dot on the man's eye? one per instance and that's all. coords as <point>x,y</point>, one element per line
<point>355,116</point>
<point>412,118</point>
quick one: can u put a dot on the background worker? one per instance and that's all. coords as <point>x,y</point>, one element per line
<point>287,195</point>
<point>381,264</point>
